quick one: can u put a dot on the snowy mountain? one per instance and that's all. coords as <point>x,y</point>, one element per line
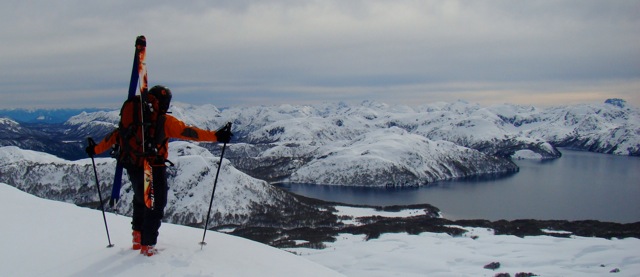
<point>345,144</point>
<point>96,124</point>
<point>47,116</point>
<point>49,238</point>
<point>480,128</point>
<point>239,199</point>
<point>395,157</point>
<point>39,137</point>
<point>375,144</point>
<point>611,128</point>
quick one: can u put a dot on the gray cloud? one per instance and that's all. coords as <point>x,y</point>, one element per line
<point>241,52</point>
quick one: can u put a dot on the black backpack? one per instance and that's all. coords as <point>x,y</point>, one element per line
<point>132,152</point>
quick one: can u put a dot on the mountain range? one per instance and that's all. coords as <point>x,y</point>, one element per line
<point>368,144</point>
<point>45,116</point>
<point>371,143</point>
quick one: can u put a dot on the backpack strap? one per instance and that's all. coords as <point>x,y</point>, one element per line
<point>161,141</point>
<point>128,154</point>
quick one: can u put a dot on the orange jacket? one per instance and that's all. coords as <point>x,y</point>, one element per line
<point>167,127</point>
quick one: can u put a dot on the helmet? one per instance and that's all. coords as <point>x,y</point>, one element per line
<point>163,94</point>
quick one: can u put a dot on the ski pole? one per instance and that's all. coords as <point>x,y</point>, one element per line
<point>95,173</point>
<point>215,183</point>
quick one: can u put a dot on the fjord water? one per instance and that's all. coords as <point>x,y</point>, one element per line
<point>577,186</point>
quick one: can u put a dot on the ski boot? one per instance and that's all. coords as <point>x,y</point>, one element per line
<point>148,250</point>
<point>136,240</point>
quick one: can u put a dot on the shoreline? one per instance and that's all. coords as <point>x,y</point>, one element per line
<point>415,219</point>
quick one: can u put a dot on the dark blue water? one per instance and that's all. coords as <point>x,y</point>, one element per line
<point>578,186</point>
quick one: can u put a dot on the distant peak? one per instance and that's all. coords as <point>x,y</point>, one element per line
<point>616,102</point>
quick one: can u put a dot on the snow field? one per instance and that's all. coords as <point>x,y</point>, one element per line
<point>433,254</point>
<point>48,238</point>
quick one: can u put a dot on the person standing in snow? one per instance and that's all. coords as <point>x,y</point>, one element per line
<point>146,221</point>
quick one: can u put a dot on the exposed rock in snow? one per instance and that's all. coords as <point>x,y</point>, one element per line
<point>616,102</point>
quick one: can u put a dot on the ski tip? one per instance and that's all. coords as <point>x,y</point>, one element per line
<point>141,41</point>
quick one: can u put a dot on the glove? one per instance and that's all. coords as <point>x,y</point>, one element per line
<point>91,151</point>
<point>224,135</point>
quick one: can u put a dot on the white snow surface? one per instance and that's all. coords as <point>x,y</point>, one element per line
<point>49,238</point>
<point>436,254</point>
<point>10,154</point>
<point>526,155</point>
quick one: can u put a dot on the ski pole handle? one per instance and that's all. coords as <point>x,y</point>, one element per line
<point>91,141</point>
<point>91,148</point>
<point>224,134</point>
<point>226,127</point>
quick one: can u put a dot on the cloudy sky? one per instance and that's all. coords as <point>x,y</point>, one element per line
<point>73,53</point>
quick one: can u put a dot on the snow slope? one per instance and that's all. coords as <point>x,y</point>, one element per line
<point>48,238</point>
<point>433,254</point>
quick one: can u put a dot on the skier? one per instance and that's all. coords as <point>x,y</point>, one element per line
<point>146,221</point>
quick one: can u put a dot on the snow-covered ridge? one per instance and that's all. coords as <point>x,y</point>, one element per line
<point>395,157</point>
<point>10,154</point>
<point>610,128</point>
<point>238,196</point>
<point>38,138</point>
<point>345,144</point>
<point>9,126</point>
<point>109,118</point>
<point>7,121</point>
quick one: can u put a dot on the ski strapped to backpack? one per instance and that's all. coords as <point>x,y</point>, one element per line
<point>139,68</point>
<point>147,108</point>
<point>138,121</point>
